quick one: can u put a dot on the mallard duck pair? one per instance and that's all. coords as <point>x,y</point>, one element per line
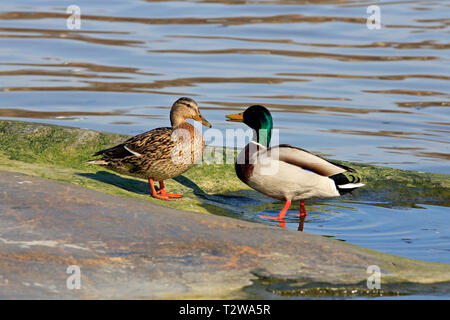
<point>164,153</point>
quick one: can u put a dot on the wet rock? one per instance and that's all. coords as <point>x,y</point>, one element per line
<point>130,248</point>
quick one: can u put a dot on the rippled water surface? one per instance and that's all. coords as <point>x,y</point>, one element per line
<point>334,86</point>
<point>419,232</point>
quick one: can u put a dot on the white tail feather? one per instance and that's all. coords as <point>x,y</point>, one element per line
<point>98,162</point>
<point>351,185</point>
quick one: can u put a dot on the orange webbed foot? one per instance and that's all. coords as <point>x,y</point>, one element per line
<point>162,197</point>
<point>171,195</point>
<point>161,194</point>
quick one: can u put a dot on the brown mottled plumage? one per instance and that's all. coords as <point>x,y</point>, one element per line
<point>161,153</point>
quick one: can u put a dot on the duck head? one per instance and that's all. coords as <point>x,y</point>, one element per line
<point>259,119</point>
<point>186,108</point>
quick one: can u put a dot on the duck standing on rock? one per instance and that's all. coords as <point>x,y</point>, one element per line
<point>285,172</point>
<point>161,153</point>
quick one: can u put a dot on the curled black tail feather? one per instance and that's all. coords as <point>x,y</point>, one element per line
<point>341,179</point>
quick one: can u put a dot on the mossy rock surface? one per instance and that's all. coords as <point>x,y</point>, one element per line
<point>60,153</point>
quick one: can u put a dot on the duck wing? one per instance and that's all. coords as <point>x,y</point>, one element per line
<point>306,160</point>
<point>156,144</point>
<point>345,178</point>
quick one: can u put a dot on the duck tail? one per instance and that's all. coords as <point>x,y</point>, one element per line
<point>349,187</point>
<point>346,182</point>
<point>99,162</point>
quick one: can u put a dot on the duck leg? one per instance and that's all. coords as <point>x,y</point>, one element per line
<point>162,190</point>
<point>303,212</point>
<point>282,213</point>
<point>155,194</point>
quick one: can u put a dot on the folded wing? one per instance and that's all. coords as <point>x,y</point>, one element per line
<point>306,160</point>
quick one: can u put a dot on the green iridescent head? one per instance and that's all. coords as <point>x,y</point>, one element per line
<point>259,119</point>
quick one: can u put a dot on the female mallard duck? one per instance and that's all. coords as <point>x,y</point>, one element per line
<point>161,153</point>
<point>285,172</point>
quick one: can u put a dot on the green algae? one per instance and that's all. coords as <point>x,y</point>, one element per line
<point>60,153</point>
<point>274,288</point>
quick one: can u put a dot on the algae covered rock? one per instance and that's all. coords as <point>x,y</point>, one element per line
<point>60,153</point>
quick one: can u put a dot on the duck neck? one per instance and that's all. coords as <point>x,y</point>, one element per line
<point>176,119</point>
<point>264,135</point>
<point>263,129</point>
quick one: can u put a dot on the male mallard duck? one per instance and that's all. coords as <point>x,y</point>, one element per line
<point>285,172</point>
<point>161,153</point>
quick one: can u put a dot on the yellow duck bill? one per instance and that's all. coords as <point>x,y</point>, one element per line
<point>202,120</point>
<point>238,117</point>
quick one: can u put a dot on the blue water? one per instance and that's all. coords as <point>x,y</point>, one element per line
<point>419,233</point>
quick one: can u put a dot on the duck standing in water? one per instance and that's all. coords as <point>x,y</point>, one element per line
<point>285,172</point>
<point>161,153</point>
